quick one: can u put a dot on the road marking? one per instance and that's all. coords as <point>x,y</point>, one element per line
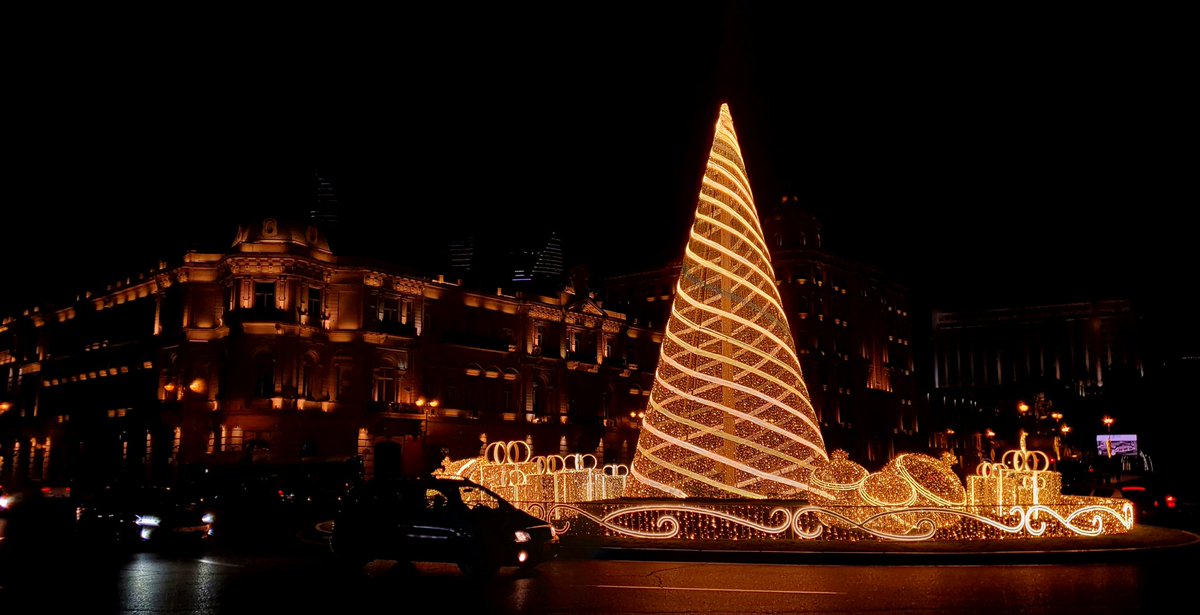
<point>720,589</point>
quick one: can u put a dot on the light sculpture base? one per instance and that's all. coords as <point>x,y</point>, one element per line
<point>914,498</point>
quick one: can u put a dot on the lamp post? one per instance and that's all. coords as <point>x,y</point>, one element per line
<point>1023,421</point>
<point>1108,421</point>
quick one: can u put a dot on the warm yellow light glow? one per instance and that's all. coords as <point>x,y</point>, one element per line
<point>197,386</point>
<point>915,497</point>
<point>1022,406</point>
<point>1066,429</point>
<point>169,387</point>
<point>420,402</point>
<point>511,470</point>
<point>1108,421</point>
<point>1056,416</point>
<point>729,414</point>
<point>989,433</point>
<point>433,403</point>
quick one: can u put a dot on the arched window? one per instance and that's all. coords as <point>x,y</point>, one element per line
<point>264,375</point>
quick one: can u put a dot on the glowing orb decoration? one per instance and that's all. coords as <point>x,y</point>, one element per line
<point>729,415</point>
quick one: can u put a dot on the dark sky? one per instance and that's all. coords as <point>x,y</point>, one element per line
<point>981,159</point>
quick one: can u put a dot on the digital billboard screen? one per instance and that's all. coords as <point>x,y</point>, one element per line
<point>1121,444</point>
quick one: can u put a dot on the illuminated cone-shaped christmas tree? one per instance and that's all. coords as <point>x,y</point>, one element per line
<point>729,415</point>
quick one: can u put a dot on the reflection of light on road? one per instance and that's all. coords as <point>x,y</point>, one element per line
<point>151,583</point>
<point>720,589</point>
<point>216,563</point>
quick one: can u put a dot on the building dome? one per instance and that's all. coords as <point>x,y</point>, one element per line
<point>276,236</point>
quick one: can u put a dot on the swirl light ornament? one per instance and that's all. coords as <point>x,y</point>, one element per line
<point>729,415</point>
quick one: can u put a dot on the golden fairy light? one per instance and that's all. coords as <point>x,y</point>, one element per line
<point>729,415</point>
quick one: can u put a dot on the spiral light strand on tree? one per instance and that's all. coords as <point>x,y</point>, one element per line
<point>729,415</point>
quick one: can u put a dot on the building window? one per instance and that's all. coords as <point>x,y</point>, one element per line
<point>385,385</point>
<point>308,376</point>
<point>264,376</point>
<point>389,310</point>
<point>264,295</point>
<point>314,306</point>
<point>406,312</point>
<point>539,336</point>
<point>607,348</point>
<point>345,380</point>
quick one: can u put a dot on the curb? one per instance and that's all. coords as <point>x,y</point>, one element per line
<point>1149,543</point>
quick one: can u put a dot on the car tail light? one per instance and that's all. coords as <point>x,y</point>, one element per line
<point>1170,500</point>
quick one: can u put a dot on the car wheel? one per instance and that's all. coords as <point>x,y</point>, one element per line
<point>484,566</point>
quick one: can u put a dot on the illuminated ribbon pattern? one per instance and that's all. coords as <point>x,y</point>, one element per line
<point>729,415</point>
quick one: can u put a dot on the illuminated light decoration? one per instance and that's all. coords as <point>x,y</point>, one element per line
<point>779,520</point>
<point>729,419</point>
<point>729,415</point>
<point>914,498</point>
<point>512,471</point>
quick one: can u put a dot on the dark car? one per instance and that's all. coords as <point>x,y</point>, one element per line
<point>439,520</point>
<point>138,517</point>
<point>36,523</point>
<point>1160,500</point>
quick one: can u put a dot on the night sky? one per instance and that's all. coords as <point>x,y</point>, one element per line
<point>1004,159</point>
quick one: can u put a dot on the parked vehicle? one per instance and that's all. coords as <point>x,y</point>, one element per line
<point>439,520</point>
<point>1160,500</point>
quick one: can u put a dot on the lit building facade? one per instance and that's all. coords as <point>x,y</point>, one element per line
<point>282,350</point>
<point>851,325</point>
<point>1079,360</point>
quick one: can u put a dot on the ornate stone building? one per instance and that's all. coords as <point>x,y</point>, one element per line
<point>282,350</point>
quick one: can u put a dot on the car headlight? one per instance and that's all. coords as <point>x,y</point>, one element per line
<point>148,521</point>
<point>207,518</point>
<point>5,501</point>
<point>522,536</point>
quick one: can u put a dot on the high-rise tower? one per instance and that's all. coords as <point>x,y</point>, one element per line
<point>729,415</point>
